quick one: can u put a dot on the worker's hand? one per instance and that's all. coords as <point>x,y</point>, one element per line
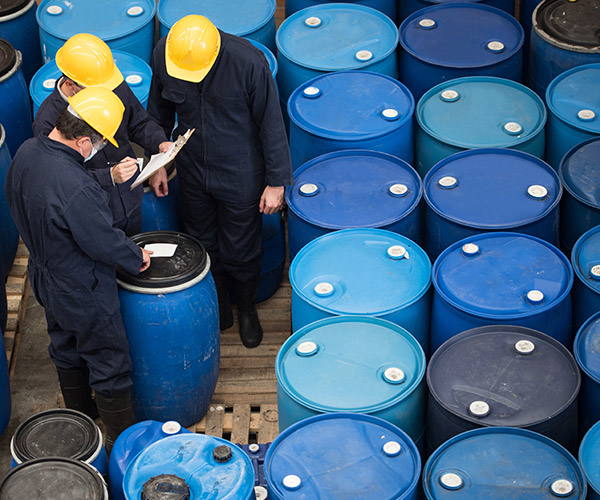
<point>158,182</point>
<point>124,170</point>
<point>146,259</point>
<point>271,200</point>
<point>164,146</point>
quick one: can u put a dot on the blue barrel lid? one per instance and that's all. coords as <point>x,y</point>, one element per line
<point>350,363</point>
<point>574,98</point>
<point>580,174</point>
<point>338,36</point>
<point>492,188</point>
<point>481,111</point>
<point>480,375</point>
<point>205,463</point>
<point>137,74</point>
<point>586,347</point>
<point>585,258</point>
<point>238,17</point>
<point>351,105</point>
<point>113,19</point>
<point>461,35</point>
<point>589,457</point>
<point>502,275</point>
<point>360,271</point>
<point>342,455</point>
<point>354,188</point>
<point>490,462</point>
<point>271,59</point>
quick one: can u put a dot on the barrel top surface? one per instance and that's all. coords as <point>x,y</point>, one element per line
<point>502,275</point>
<point>11,6</point>
<point>361,271</point>
<point>587,347</point>
<point>480,112</point>
<point>334,37</point>
<point>490,462</point>
<point>351,105</point>
<point>356,364</point>
<point>238,17</point>
<point>115,18</point>
<point>354,188</point>
<point>589,457</point>
<point>350,456</point>
<point>586,258</point>
<point>461,35</point>
<point>580,174</point>
<point>523,376</point>
<point>492,188</point>
<point>8,57</point>
<point>191,457</point>
<point>574,97</point>
<point>573,24</point>
<point>271,59</point>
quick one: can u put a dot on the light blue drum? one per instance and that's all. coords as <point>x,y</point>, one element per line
<point>9,235</point>
<point>253,19</point>
<point>589,459</point>
<point>587,353</point>
<point>126,26</point>
<point>407,7</point>
<point>573,100</point>
<point>388,7</point>
<point>370,272</point>
<point>585,259</point>
<point>477,112</point>
<point>351,110</point>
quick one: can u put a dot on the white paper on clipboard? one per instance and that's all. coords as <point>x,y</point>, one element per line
<point>161,159</point>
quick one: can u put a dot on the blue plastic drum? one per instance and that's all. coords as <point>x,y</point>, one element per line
<point>453,40</point>
<point>271,59</point>
<point>274,253</point>
<point>589,459</point>
<point>485,190</point>
<point>477,112</point>
<point>334,37</point>
<point>162,213</point>
<point>194,466</point>
<point>253,19</point>
<point>407,7</point>
<point>171,318</point>
<point>587,353</point>
<point>9,235</point>
<point>501,463</point>
<point>343,456</point>
<point>580,205</point>
<point>573,100</point>
<point>369,272</point>
<point>388,7</point>
<point>585,259</point>
<point>502,279</point>
<point>352,189</point>
<point>351,110</point>
<point>19,27</point>
<point>352,364</point>
<point>126,26</point>
<point>564,35</point>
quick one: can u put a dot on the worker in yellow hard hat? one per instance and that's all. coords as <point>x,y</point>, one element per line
<point>236,164</point>
<point>85,60</point>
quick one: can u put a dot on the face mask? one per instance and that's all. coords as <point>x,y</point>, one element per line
<point>94,150</point>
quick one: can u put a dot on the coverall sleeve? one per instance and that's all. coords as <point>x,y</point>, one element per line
<point>101,176</point>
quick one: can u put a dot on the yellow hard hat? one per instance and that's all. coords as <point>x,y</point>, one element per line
<point>88,61</point>
<point>101,109</point>
<point>192,48</point>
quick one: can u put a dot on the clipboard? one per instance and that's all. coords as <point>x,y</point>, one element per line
<point>161,159</point>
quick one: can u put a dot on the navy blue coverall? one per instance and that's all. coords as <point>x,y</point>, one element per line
<point>125,205</point>
<point>63,217</point>
<point>238,148</point>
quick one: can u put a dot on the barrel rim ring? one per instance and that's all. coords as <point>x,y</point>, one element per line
<point>565,184</point>
<point>580,337</point>
<point>18,13</point>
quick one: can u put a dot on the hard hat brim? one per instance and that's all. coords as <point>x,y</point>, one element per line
<point>112,141</point>
<point>187,75</point>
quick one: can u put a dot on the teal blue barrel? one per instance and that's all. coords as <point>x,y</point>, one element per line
<point>573,100</point>
<point>171,319</point>
<point>9,236</point>
<point>274,253</point>
<point>498,463</point>
<point>580,205</point>
<point>333,37</point>
<point>351,110</point>
<point>585,259</point>
<point>454,40</point>
<point>502,375</point>
<point>501,278</point>
<point>355,364</point>
<point>485,190</point>
<point>59,432</point>
<point>128,27</point>
<point>388,7</point>
<point>564,35</point>
<point>407,7</point>
<point>363,272</point>
<point>477,112</point>
<point>132,441</point>
<point>353,189</point>
<point>252,19</point>
<point>343,456</point>
<point>193,466</point>
<point>162,213</point>
<point>589,459</point>
<point>19,27</point>
<point>587,353</point>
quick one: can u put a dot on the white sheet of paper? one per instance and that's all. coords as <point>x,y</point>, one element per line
<point>156,161</point>
<point>161,249</point>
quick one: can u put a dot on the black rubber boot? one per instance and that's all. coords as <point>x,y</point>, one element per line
<point>251,332</point>
<point>117,415</point>
<point>225,312</point>
<point>74,385</point>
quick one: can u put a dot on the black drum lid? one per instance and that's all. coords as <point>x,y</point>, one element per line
<point>575,23</point>
<point>8,7</point>
<point>165,487</point>
<point>8,57</point>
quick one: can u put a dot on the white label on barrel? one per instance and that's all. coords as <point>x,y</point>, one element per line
<point>49,83</point>
<point>312,22</point>
<point>161,249</point>
<point>390,114</point>
<point>470,249</point>
<point>394,375</point>
<point>513,128</point>
<point>479,409</point>
<point>54,10</point>
<point>427,24</point>
<point>324,289</point>
<point>397,252</point>
<point>261,493</point>
<point>364,55</point>
<point>292,482</point>
<point>595,271</point>
<point>449,95</point>
<point>562,487</point>
<point>525,347</point>
<point>135,11</point>
<point>495,46</point>
<point>392,448</point>
<point>586,115</point>
<point>398,189</point>
<point>451,481</point>
<point>535,296</point>
<point>171,427</point>
<point>134,79</point>
<point>538,192</point>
